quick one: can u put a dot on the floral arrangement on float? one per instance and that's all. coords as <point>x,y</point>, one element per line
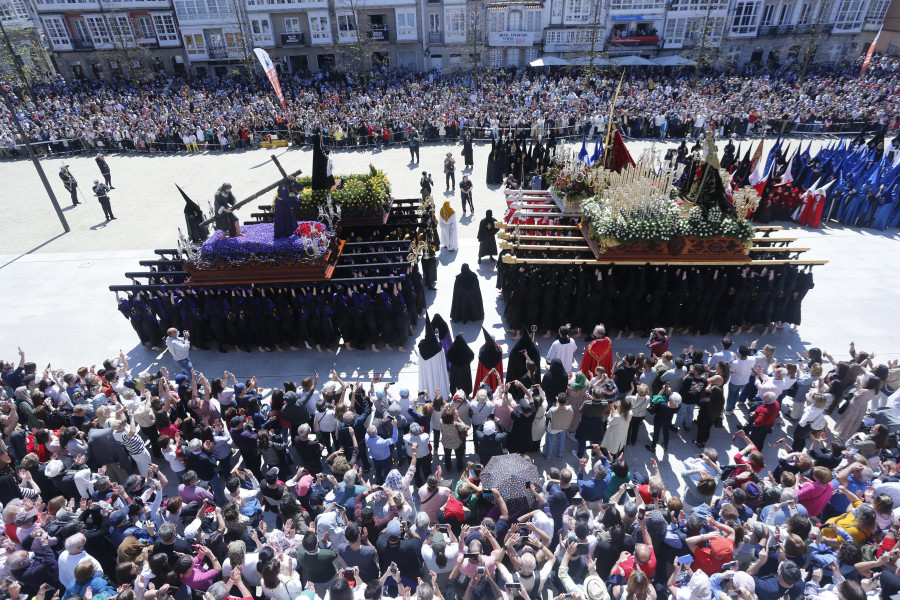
<point>358,195</point>
<point>571,181</point>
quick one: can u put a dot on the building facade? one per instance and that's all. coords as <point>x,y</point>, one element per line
<point>353,35</point>
<point>25,37</point>
<point>100,38</point>
<point>105,38</point>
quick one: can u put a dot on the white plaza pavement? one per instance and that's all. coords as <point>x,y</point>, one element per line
<point>56,305</point>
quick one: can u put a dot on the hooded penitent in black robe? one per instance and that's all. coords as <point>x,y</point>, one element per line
<point>516,367</point>
<point>468,161</point>
<point>193,216</point>
<point>444,335</point>
<point>433,363</point>
<point>490,356</point>
<point>487,229</point>
<point>322,179</point>
<point>555,381</point>
<point>467,304</point>
<point>460,357</point>
<point>494,175</point>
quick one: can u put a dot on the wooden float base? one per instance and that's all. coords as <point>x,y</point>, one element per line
<point>714,250</point>
<point>264,274</point>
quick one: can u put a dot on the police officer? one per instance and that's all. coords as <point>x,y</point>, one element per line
<point>104,170</point>
<point>102,192</point>
<point>70,183</point>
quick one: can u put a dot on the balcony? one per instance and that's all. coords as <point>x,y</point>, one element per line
<point>217,18</point>
<point>434,37</point>
<point>634,40</point>
<point>379,33</point>
<point>82,44</point>
<point>293,39</point>
<point>217,53</point>
<point>812,28</point>
<point>773,30</point>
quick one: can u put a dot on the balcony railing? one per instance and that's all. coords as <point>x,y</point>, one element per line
<point>434,37</point>
<point>82,43</point>
<point>823,28</point>
<point>634,40</point>
<point>293,39</point>
<point>217,53</point>
<point>773,30</point>
<point>379,33</point>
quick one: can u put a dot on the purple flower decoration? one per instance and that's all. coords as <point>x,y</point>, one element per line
<point>259,241</point>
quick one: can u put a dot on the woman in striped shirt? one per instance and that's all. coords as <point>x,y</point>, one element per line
<point>126,433</point>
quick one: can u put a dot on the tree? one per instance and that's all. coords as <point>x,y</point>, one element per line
<point>23,61</point>
<point>809,35</point>
<point>358,43</point>
<point>475,37</point>
<point>132,58</point>
<point>595,42</point>
<point>705,44</point>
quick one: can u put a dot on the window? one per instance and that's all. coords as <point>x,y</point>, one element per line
<point>515,20</point>
<point>513,57</point>
<point>733,55</point>
<point>56,30</point>
<point>165,28</point>
<point>556,9</point>
<point>877,11</point>
<point>496,20</point>
<point>744,17</point>
<point>577,11</point>
<point>406,24</point>
<point>121,29</point>
<point>434,23</point>
<point>786,10</point>
<point>530,55</point>
<point>190,7</point>
<point>456,21</point>
<point>533,20</point>
<point>346,27</point>
<point>496,58</point>
<point>292,25</point>
<point>261,30</point>
<point>98,29</point>
<point>805,14</point>
<point>144,27</point>
<point>849,15</point>
<point>233,44</point>
<point>768,13</point>
<point>218,6</point>
<point>320,28</point>
<point>13,11</point>
<point>194,44</point>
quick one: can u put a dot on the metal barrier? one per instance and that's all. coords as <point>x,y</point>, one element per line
<point>351,141</point>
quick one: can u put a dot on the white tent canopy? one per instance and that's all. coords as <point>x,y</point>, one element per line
<point>586,60</point>
<point>633,61</point>
<point>549,61</point>
<point>672,61</point>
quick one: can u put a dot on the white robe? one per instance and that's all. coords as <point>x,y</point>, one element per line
<point>449,234</point>
<point>433,374</point>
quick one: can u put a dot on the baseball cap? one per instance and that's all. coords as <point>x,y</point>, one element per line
<point>489,428</point>
<point>25,518</point>
<point>272,475</point>
<point>393,528</point>
<point>239,387</point>
<point>236,422</point>
<point>118,517</point>
<point>404,393</point>
<point>180,378</point>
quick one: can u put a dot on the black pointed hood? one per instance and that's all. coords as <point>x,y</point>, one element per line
<point>490,354</point>
<point>459,353</point>
<point>429,347</point>
<point>190,207</point>
<point>516,365</point>
<point>438,322</point>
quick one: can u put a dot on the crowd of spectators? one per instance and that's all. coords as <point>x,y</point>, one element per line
<point>144,486</point>
<point>182,115</point>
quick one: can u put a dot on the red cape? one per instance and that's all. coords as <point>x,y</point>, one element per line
<point>598,354</point>
<point>492,380</point>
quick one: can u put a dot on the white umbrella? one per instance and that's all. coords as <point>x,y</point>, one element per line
<point>633,61</point>
<point>549,61</point>
<point>672,61</point>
